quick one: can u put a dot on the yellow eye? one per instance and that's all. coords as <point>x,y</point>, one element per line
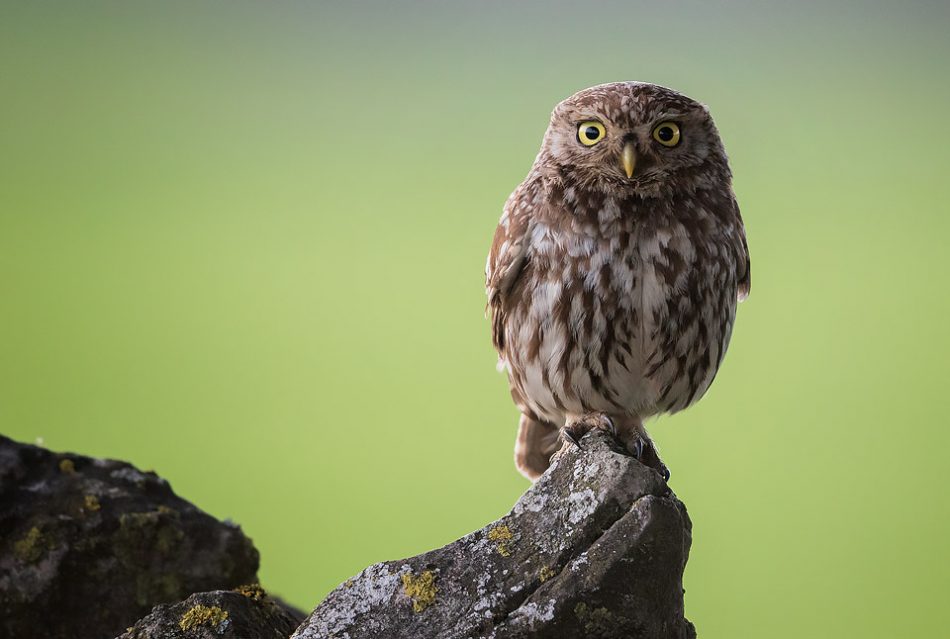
<point>667,133</point>
<point>590,133</point>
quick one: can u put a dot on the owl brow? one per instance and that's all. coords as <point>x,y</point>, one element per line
<point>670,115</point>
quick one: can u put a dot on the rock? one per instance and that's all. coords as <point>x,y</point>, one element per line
<point>596,548</point>
<point>87,546</point>
<point>244,613</point>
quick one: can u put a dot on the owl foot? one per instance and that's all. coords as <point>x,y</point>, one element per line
<point>645,452</point>
<point>576,428</point>
<point>634,438</point>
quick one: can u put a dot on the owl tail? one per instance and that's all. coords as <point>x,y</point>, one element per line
<point>536,442</point>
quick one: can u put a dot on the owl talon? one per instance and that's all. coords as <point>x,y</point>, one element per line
<point>575,429</point>
<point>638,448</point>
<point>569,436</point>
<point>645,452</point>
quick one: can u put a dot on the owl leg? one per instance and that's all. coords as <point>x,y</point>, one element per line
<point>536,442</point>
<point>576,426</point>
<point>633,435</point>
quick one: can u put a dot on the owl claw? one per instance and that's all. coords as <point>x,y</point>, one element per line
<point>571,437</point>
<point>575,430</point>
<point>645,453</point>
<point>638,448</point>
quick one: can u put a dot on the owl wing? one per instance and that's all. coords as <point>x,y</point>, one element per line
<point>506,261</point>
<point>743,263</point>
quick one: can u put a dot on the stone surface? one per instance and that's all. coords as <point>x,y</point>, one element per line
<point>87,546</point>
<point>244,613</point>
<point>596,548</point>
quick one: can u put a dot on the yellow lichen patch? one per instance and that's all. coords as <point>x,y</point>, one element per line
<point>32,547</point>
<point>202,616</point>
<point>546,573</point>
<point>422,589</point>
<point>257,594</point>
<point>67,467</point>
<point>254,592</point>
<point>502,536</point>
<point>91,503</point>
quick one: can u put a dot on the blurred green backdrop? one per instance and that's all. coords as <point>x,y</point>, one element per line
<point>242,244</point>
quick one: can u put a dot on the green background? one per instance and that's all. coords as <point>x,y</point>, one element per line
<point>243,244</point>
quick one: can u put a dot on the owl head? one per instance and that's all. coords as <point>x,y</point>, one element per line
<point>633,137</point>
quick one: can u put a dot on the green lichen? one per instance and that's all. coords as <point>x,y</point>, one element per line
<point>201,615</point>
<point>502,537</point>
<point>422,589</point>
<point>598,622</point>
<point>546,573</point>
<point>67,467</point>
<point>91,503</point>
<point>33,546</point>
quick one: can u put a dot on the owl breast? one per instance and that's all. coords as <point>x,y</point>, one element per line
<point>627,311</point>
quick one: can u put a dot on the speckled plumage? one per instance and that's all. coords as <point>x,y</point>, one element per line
<point>615,296</point>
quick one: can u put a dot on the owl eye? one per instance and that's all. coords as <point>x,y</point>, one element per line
<point>667,133</point>
<point>590,133</point>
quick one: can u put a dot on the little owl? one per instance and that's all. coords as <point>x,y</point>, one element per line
<point>615,270</point>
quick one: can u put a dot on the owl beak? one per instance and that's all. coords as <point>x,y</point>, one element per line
<point>629,159</point>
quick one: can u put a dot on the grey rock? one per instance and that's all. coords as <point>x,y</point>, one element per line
<point>596,548</point>
<point>245,613</point>
<point>87,546</point>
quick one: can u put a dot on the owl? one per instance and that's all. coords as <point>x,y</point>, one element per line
<point>615,271</point>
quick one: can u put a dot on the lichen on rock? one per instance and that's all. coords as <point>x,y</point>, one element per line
<point>421,589</point>
<point>246,612</point>
<point>601,546</point>
<point>87,546</point>
<point>91,503</point>
<point>200,615</point>
<point>33,546</point>
<point>254,592</point>
<point>502,537</point>
<point>598,622</point>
